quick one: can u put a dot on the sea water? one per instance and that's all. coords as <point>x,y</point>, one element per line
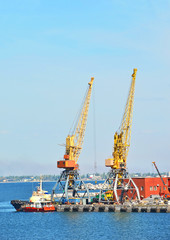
<point>74,225</point>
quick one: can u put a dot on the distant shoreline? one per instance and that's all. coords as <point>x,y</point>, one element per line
<point>26,181</point>
<point>37,181</point>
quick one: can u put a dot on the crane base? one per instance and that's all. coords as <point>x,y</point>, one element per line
<point>120,187</point>
<point>70,184</point>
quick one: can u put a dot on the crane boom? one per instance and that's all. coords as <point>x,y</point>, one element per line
<point>81,127</point>
<point>159,173</point>
<point>126,124</point>
<point>164,192</point>
<point>74,141</point>
<point>123,135</point>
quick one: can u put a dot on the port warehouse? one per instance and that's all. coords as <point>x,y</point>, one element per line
<point>149,186</point>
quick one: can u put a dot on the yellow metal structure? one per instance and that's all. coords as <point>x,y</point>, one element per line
<point>119,181</point>
<point>123,135</point>
<point>75,140</point>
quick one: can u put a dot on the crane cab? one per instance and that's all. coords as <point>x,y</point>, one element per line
<point>67,164</point>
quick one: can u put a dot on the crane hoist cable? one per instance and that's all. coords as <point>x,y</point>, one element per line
<point>94,133</point>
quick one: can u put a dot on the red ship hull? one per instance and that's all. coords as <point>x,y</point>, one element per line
<point>35,209</point>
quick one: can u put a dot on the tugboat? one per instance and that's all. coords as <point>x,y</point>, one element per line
<point>40,201</point>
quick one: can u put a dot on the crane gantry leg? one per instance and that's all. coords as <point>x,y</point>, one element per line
<point>122,187</point>
<point>71,185</point>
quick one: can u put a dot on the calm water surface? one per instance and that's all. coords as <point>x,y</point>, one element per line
<point>76,226</point>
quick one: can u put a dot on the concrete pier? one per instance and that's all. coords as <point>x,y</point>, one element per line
<point>112,208</point>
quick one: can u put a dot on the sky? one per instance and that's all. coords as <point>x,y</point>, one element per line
<point>49,50</point>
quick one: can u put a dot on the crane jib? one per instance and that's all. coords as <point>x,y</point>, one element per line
<point>123,136</point>
<point>74,142</point>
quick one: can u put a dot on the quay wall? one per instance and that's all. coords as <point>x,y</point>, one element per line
<point>113,208</point>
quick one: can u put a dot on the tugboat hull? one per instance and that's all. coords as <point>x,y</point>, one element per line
<point>18,204</point>
<point>50,208</point>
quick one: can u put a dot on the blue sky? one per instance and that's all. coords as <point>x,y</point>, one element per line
<point>49,50</point>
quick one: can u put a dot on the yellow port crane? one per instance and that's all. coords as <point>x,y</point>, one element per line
<point>118,161</point>
<point>70,178</point>
<point>74,141</point>
<point>123,135</point>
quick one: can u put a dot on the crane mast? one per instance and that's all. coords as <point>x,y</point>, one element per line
<point>122,137</point>
<point>70,178</point>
